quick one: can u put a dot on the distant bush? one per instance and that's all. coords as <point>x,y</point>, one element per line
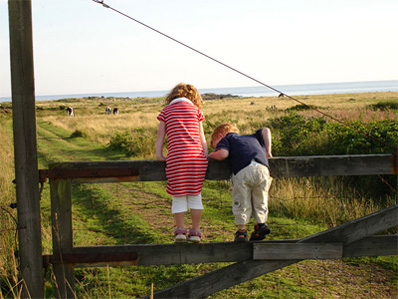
<point>295,135</point>
<point>77,133</point>
<point>301,108</point>
<point>121,141</point>
<point>137,143</point>
<point>385,106</point>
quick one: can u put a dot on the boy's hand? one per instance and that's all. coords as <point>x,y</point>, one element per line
<point>220,154</point>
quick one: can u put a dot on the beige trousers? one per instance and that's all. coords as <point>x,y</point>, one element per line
<point>250,193</point>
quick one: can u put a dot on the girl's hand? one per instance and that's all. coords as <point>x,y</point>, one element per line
<point>161,158</point>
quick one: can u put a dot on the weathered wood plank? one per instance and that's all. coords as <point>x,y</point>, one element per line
<point>359,228</point>
<point>373,246</point>
<point>150,170</point>
<point>297,251</point>
<point>210,283</point>
<point>25,147</point>
<point>165,254</point>
<point>62,234</point>
<point>343,165</point>
<point>239,272</point>
<point>168,254</point>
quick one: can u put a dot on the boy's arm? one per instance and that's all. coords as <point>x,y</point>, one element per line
<point>220,154</point>
<point>160,141</point>
<point>267,142</point>
<point>203,139</point>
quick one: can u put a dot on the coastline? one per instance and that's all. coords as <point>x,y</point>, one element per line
<point>251,91</point>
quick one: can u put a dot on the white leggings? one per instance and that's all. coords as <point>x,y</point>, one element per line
<point>183,203</point>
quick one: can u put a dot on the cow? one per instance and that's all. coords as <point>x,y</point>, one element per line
<point>115,111</point>
<point>108,110</point>
<point>70,111</point>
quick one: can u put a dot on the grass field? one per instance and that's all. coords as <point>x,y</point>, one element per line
<point>139,213</point>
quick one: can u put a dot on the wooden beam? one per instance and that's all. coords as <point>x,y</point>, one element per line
<point>214,252</point>
<point>62,235</point>
<point>239,272</point>
<point>344,165</point>
<point>150,170</point>
<point>373,246</point>
<point>303,251</point>
<point>25,147</point>
<point>165,254</point>
<point>358,229</point>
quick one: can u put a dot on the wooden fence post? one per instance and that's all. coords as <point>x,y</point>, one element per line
<point>61,214</point>
<point>25,148</point>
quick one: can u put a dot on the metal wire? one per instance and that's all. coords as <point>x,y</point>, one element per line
<point>247,76</point>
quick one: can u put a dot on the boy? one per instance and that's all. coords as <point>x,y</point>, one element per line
<point>247,155</point>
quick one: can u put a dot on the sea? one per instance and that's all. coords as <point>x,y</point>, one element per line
<point>252,91</point>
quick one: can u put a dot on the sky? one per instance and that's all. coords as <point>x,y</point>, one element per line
<point>81,47</point>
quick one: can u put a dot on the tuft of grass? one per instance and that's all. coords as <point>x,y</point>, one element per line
<point>9,275</point>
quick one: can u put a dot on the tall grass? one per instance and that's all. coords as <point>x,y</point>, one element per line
<point>325,201</point>
<point>9,282</point>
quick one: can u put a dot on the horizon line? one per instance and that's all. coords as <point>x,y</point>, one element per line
<point>229,87</point>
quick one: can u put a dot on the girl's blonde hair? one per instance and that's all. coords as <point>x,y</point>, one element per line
<point>224,129</point>
<point>187,91</point>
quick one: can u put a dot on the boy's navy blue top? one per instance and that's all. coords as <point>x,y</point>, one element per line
<point>243,149</point>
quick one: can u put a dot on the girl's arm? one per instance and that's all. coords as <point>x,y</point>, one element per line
<point>203,139</point>
<point>160,141</point>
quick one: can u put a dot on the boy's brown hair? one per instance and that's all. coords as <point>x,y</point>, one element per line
<point>224,129</point>
<point>187,91</point>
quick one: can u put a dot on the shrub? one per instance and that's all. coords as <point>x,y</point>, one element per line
<point>138,143</point>
<point>384,106</point>
<point>121,141</point>
<point>77,133</point>
<point>295,135</point>
<point>301,108</point>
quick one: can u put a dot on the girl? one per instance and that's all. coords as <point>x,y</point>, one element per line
<point>186,161</point>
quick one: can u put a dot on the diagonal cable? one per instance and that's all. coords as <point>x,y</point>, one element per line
<point>247,76</point>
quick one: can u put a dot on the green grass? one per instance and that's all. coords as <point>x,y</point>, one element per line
<point>57,145</point>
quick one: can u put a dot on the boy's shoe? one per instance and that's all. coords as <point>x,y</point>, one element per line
<point>260,230</point>
<point>194,236</point>
<point>180,235</point>
<point>241,236</point>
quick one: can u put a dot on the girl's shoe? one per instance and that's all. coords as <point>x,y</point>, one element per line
<point>241,236</point>
<point>180,235</point>
<point>194,236</point>
<point>260,230</point>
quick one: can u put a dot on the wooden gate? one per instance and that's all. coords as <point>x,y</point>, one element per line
<point>252,259</point>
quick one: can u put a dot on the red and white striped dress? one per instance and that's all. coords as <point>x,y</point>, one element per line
<point>186,163</point>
